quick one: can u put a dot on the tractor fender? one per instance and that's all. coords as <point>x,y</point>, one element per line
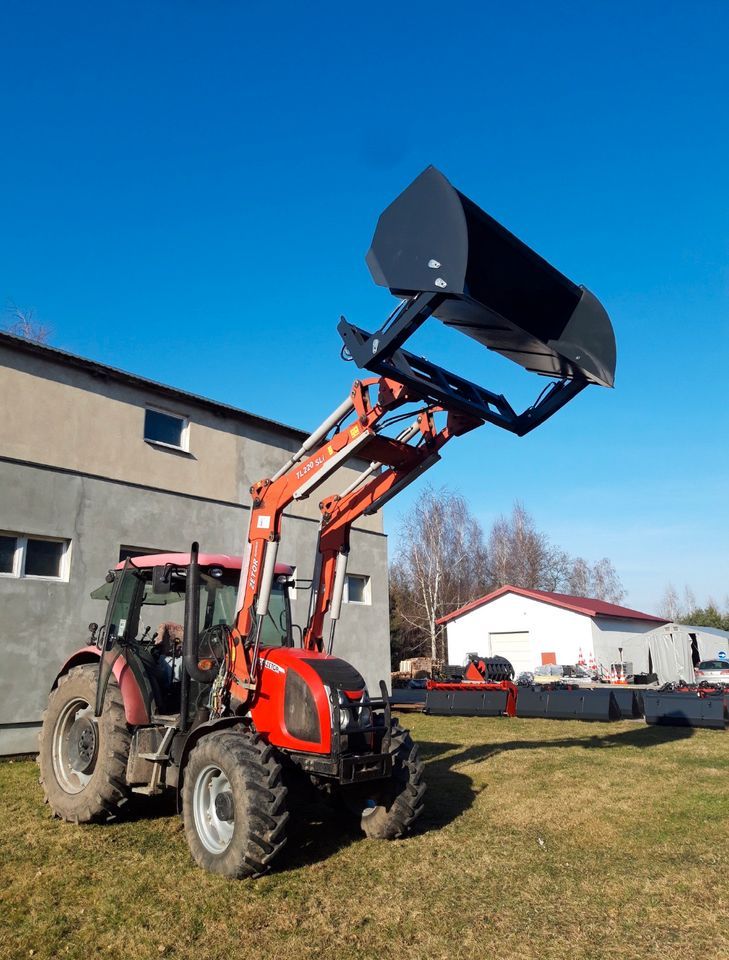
<point>194,737</point>
<point>136,704</point>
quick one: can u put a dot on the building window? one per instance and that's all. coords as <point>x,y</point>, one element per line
<point>166,429</point>
<point>42,558</point>
<point>357,589</point>
<point>8,546</point>
<point>126,552</point>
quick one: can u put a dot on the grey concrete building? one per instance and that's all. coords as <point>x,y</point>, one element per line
<point>96,463</point>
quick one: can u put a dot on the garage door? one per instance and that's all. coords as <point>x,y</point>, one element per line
<point>516,647</point>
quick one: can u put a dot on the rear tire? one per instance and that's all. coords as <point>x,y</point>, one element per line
<point>388,810</point>
<point>82,758</point>
<point>234,805</point>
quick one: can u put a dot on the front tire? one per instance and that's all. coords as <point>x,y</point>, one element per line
<point>83,758</point>
<point>234,805</point>
<point>388,810</point>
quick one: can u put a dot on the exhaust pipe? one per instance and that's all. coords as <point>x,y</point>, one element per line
<point>192,622</point>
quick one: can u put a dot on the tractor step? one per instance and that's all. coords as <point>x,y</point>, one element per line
<point>158,758</point>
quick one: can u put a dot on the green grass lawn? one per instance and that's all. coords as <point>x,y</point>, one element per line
<point>541,839</point>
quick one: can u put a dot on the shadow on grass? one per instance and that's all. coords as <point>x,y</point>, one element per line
<point>451,792</point>
<point>316,832</point>
<point>317,829</point>
<point>139,807</point>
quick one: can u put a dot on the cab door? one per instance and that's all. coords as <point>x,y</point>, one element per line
<point>120,630</point>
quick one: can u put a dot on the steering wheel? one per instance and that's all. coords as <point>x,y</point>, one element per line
<point>216,638</point>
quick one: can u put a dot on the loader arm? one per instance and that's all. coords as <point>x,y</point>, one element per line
<point>449,261</point>
<point>306,470</point>
<point>363,497</point>
<point>394,463</point>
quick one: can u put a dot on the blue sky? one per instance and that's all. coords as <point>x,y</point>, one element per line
<point>187,191</point>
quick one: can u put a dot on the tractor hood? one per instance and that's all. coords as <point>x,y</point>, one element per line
<point>294,707</point>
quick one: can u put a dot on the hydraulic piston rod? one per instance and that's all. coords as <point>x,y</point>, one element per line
<point>317,436</point>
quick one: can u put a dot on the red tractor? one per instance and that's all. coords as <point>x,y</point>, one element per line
<point>225,706</point>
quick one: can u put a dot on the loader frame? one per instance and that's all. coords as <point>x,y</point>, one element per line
<point>382,353</point>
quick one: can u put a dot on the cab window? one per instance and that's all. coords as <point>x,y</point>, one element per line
<point>275,630</point>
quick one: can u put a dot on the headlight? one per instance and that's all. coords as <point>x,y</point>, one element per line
<point>345,714</point>
<point>353,714</point>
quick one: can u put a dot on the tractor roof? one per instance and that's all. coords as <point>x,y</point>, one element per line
<point>204,559</point>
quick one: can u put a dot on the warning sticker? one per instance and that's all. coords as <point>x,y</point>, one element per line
<point>264,523</point>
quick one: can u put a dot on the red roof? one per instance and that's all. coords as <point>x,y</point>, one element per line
<point>205,559</point>
<point>582,605</point>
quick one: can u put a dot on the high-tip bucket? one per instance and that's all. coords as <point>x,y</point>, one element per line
<point>495,288</point>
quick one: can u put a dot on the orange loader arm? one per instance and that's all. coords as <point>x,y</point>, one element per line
<point>365,496</point>
<point>395,462</point>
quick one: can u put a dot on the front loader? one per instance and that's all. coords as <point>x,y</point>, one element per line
<point>225,706</point>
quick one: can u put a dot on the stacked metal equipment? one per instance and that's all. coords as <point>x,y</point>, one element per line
<point>684,705</point>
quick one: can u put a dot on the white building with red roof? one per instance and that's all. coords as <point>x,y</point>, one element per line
<point>532,628</point>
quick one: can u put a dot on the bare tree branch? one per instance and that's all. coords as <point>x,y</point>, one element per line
<point>22,323</point>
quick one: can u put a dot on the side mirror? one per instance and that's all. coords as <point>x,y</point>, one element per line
<point>161,579</point>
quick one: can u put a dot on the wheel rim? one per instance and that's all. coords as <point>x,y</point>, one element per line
<point>213,809</point>
<point>75,745</point>
<point>369,807</point>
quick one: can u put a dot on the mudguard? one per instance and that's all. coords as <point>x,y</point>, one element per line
<point>137,702</point>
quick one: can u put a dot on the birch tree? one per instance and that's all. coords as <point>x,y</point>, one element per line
<point>605,582</point>
<point>522,556</point>
<point>443,562</point>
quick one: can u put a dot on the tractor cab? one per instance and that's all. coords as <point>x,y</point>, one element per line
<point>147,598</point>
